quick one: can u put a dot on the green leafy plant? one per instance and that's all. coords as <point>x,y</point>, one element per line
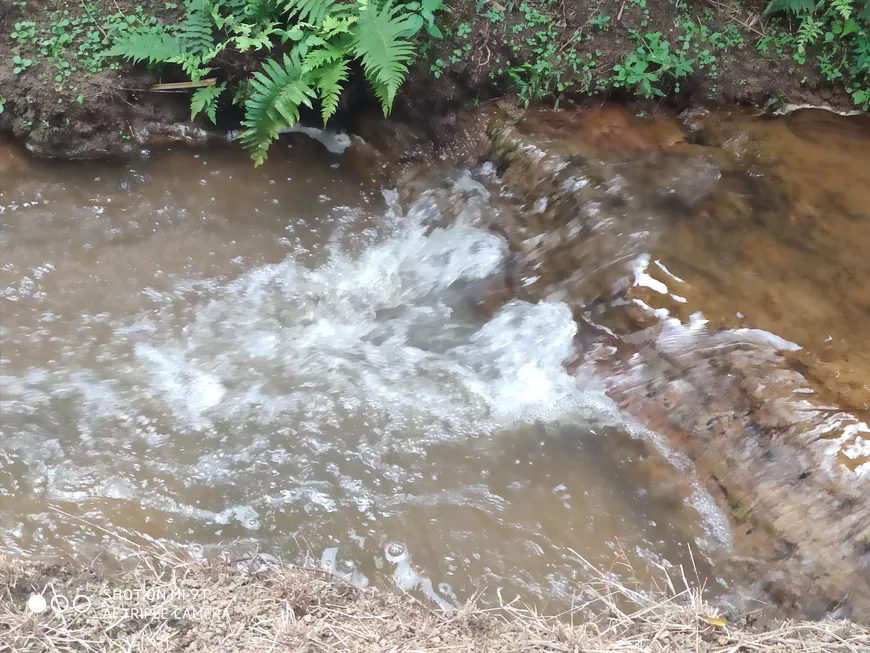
<point>834,34</point>
<point>25,32</point>
<point>319,39</point>
<point>204,100</point>
<point>601,22</point>
<point>422,14</point>
<point>20,64</point>
<point>650,64</point>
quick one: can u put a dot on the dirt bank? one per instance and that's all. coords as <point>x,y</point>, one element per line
<point>68,103</point>
<point>165,603</point>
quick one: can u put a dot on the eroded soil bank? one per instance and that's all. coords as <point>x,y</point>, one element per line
<point>69,103</point>
<point>729,309</point>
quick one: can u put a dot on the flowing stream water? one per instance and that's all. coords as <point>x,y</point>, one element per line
<point>199,352</point>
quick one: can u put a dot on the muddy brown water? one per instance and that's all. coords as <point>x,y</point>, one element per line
<point>288,359</point>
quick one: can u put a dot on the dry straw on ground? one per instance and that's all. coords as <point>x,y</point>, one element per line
<point>168,604</point>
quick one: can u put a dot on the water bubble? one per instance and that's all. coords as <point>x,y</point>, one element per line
<point>446,590</point>
<point>395,552</point>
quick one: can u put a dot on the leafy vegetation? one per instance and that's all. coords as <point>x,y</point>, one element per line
<point>20,64</point>
<point>833,33</point>
<point>69,43</point>
<point>317,40</point>
<point>306,48</point>
<point>546,59</point>
<point>655,67</point>
<point>304,52</point>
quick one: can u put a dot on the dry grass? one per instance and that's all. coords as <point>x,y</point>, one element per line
<point>738,13</point>
<point>167,603</point>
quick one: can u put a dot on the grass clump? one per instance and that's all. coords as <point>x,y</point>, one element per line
<point>167,603</point>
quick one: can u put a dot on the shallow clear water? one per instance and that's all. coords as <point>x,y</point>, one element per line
<point>196,351</point>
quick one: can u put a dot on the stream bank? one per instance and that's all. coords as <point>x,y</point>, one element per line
<point>69,103</point>
<point>168,604</point>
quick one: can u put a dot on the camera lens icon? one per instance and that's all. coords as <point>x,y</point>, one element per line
<point>59,604</point>
<point>37,604</point>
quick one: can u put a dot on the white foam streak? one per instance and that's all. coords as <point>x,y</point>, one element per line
<point>373,329</point>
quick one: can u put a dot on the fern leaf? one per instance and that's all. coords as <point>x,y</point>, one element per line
<point>309,11</point>
<point>381,93</point>
<point>259,11</point>
<point>196,32</point>
<point>843,8</point>
<point>328,54</point>
<point>808,33</point>
<point>378,39</point>
<point>276,94</point>
<point>334,24</point>
<point>152,46</point>
<point>797,7</point>
<point>205,99</point>
<point>330,81</point>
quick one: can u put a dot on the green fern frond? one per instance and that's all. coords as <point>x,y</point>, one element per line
<point>309,11</point>
<point>381,93</point>
<point>843,8</point>
<point>205,100</point>
<point>808,33</point>
<point>260,10</point>
<point>235,7</point>
<point>378,39</point>
<point>796,7</point>
<point>153,46</point>
<point>276,95</point>
<point>328,54</point>
<point>196,33</point>
<point>336,23</point>
<point>330,83</point>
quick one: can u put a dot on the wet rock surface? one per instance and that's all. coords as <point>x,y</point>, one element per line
<point>718,271</point>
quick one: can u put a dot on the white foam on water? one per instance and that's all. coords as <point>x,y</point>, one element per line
<point>310,390</point>
<point>375,332</point>
<point>371,351</point>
